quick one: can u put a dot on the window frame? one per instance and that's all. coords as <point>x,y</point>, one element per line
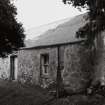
<point>44,63</point>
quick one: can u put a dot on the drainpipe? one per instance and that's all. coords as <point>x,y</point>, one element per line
<point>58,77</point>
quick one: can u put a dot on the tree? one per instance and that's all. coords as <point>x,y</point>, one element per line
<point>11,32</point>
<point>94,26</point>
<point>96,16</point>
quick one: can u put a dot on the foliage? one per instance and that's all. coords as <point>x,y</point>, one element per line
<point>96,16</point>
<point>11,32</point>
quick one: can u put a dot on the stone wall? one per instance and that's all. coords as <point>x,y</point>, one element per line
<point>5,68</point>
<point>77,68</point>
<point>29,65</point>
<point>73,63</point>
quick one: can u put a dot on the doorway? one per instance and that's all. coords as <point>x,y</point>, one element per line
<point>13,68</point>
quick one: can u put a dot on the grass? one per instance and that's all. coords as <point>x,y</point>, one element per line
<point>80,100</point>
<point>13,93</point>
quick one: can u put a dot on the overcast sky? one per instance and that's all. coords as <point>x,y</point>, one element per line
<point>33,13</point>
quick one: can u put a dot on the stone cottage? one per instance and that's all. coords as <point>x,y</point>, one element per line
<point>57,49</point>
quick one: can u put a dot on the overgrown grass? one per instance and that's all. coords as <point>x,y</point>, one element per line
<point>80,100</point>
<point>13,93</point>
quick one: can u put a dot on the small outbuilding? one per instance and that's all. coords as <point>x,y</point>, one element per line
<point>57,49</point>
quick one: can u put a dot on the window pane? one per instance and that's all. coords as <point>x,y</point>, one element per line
<point>45,63</point>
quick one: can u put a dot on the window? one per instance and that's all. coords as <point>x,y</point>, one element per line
<point>44,63</point>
